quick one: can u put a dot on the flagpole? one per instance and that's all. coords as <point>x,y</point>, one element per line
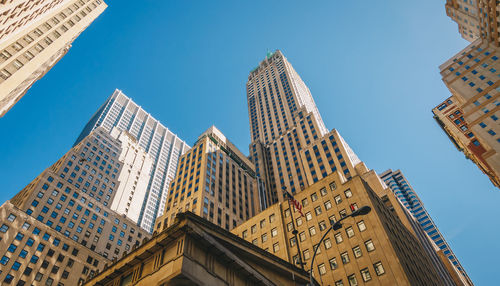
<point>294,232</point>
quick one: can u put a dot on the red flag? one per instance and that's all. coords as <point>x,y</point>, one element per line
<point>295,203</point>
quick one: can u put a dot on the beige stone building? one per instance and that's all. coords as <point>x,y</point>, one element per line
<point>215,181</point>
<point>34,35</point>
<point>470,116</point>
<point>34,254</point>
<point>375,249</point>
<point>70,201</point>
<point>284,122</point>
<point>193,251</point>
<point>476,19</point>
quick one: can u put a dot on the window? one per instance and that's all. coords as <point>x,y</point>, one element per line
<point>299,221</point>
<point>4,260</point>
<point>348,193</point>
<point>314,197</point>
<point>369,245</point>
<point>253,229</point>
<point>345,257</point>
<point>328,243</point>
<point>11,217</point>
<point>34,259</point>
<point>361,226</point>
<point>38,276</point>
<point>264,237</point>
<point>262,223</point>
<point>4,228</point>
<point>339,283</point>
<point>322,225</point>
<point>365,274</point>
<point>352,280</point>
<point>349,231</point>
<point>245,234</point>
<point>304,202</point>
<point>379,269</point>
<point>328,205</point>
<point>302,236</point>
<point>333,186</point>
<point>274,232</point>
<point>308,216</point>
<point>338,199</point>
<point>276,247</point>
<point>338,238</point>
<point>8,278</point>
<point>272,218</point>
<point>333,263</point>
<point>357,252</point>
<point>312,231</point>
<point>323,191</point>
<point>343,213</point>
<point>306,254</point>
<point>12,248</point>
<point>322,269</point>
<point>19,236</point>
<point>318,210</point>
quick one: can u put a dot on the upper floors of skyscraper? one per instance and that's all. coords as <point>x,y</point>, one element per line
<point>162,145</point>
<point>275,95</point>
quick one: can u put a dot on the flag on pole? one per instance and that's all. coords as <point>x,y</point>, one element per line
<point>295,203</point>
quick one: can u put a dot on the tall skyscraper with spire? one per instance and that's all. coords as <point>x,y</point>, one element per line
<point>285,125</point>
<point>293,151</point>
<point>163,146</point>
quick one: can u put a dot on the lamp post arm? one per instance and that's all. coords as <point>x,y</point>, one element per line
<point>319,244</point>
<point>314,256</point>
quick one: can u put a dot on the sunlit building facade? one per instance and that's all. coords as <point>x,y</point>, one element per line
<point>293,151</point>
<point>162,146</point>
<point>60,229</point>
<point>398,183</point>
<point>284,122</point>
<point>470,116</point>
<point>373,249</point>
<point>34,36</point>
<point>215,181</point>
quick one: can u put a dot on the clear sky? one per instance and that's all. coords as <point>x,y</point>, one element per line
<point>372,67</point>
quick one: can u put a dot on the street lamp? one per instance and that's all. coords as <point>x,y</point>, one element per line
<point>337,225</point>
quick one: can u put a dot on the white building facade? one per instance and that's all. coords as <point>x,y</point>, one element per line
<point>154,139</point>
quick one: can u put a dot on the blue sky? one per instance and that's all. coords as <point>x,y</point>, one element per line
<point>372,70</point>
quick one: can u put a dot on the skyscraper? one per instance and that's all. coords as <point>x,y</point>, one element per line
<point>469,116</point>
<point>293,151</point>
<point>163,146</point>
<point>215,181</point>
<point>284,122</point>
<point>410,200</point>
<point>60,229</point>
<point>34,35</point>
